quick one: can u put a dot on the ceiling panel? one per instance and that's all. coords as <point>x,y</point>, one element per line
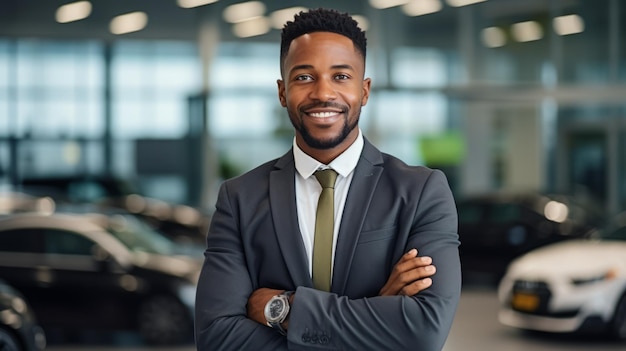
<point>35,18</point>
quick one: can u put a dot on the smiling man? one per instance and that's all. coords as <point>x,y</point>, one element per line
<point>323,93</point>
<point>295,263</point>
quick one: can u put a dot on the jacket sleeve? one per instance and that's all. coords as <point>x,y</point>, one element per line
<point>224,286</point>
<point>321,320</point>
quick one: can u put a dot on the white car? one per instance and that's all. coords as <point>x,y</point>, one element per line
<point>571,286</point>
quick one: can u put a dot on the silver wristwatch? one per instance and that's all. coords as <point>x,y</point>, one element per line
<point>276,311</point>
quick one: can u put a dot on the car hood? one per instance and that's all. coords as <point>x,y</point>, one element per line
<point>572,258</point>
<point>179,266</point>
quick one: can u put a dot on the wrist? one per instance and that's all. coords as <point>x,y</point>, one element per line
<point>277,311</point>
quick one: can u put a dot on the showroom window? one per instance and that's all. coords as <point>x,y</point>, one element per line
<point>50,88</point>
<point>151,82</point>
<point>58,89</point>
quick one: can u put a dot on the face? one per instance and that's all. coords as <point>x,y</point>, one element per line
<point>323,90</point>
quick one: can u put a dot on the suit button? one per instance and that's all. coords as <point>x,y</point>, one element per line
<point>324,339</point>
<point>306,338</point>
<point>314,339</point>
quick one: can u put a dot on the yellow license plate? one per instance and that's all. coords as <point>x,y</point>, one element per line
<point>525,302</point>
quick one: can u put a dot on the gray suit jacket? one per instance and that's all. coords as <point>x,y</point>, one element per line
<point>254,241</point>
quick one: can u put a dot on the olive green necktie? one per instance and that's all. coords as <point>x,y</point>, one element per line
<point>324,223</point>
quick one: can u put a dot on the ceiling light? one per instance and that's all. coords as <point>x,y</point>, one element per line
<point>130,22</point>
<point>244,11</point>
<point>361,21</point>
<point>187,4</point>
<point>278,18</point>
<point>73,12</point>
<point>253,27</point>
<point>570,24</point>
<point>385,4</point>
<point>421,7</point>
<point>527,31</point>
<point>493,37</point>
<point>459,3</point>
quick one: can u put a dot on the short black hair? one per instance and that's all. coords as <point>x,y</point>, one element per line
<point>322,20</point>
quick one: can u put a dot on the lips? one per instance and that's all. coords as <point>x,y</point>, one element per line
<point>324,110</point>
<point>324,114</point>
<point>323,118</point>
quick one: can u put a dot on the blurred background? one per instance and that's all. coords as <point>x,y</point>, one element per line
<point>127,115</point>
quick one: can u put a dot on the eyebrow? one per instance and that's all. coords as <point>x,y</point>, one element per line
<point>306,66</point>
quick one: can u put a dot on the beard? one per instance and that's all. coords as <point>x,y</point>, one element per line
<point>324,144</point>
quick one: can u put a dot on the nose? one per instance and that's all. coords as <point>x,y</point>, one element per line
<point>323,90</point>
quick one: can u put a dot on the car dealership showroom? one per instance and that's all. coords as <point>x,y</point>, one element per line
<point>119,121</point>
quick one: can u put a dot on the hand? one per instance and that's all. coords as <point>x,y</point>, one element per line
<point>409,276</point>
<point>257,301</point>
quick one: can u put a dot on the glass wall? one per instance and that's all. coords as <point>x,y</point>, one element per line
<point>55,106</point>
<point>150,82</point>
<point>89,106</point>
<point>58,89</point>
<point>51,106</point>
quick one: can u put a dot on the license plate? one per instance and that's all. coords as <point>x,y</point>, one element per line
<point>525,302</point>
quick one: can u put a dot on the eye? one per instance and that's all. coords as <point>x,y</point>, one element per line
<point>303,77</point>
<point>342,76</point>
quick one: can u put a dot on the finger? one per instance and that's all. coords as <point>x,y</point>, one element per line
<point>403,263</point>
<point>408,256</point>
<point>406,264</point>
<point>416,287</point>
<point>412,263</point>
<point>399,281</point>
<point>411,253</point>
<point>414,274</point>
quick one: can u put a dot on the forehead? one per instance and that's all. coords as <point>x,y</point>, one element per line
<point>322,44</point>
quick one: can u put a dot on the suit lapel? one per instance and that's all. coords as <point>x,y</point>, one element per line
<point>285,217</point>
<point>366,176</point>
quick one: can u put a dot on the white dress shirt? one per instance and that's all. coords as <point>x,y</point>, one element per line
<point>308,190</point>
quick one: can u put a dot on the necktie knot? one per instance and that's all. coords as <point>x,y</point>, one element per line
<point>326,178</point>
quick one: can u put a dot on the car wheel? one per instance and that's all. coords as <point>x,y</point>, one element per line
<point>8,342</point>
<point>164,320</point>
<point>618,324</point>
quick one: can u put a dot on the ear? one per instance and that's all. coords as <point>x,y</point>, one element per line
<point>281,93</point>
<point>367,83</point>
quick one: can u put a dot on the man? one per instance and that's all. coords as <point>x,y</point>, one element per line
<point>262,262</point>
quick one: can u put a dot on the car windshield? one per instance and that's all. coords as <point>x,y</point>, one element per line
<point>139,236</point>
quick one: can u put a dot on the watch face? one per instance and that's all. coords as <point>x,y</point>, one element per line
<point>276,308</point>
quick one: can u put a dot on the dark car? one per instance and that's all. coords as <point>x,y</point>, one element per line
<point>100,273</point>
<point>496,228</point>
<point>19,330</point>
<point>180,222</point>
<point>76,188</point>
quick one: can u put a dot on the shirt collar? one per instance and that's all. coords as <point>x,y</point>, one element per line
<point>343,164</point>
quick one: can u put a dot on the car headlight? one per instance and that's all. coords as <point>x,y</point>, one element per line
<point>608,275</point>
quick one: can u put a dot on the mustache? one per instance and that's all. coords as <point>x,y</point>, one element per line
<point>331,104</point>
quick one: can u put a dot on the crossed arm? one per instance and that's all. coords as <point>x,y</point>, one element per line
<point>409,276</point>
<point>415,307</point>
<point>400,309</point>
